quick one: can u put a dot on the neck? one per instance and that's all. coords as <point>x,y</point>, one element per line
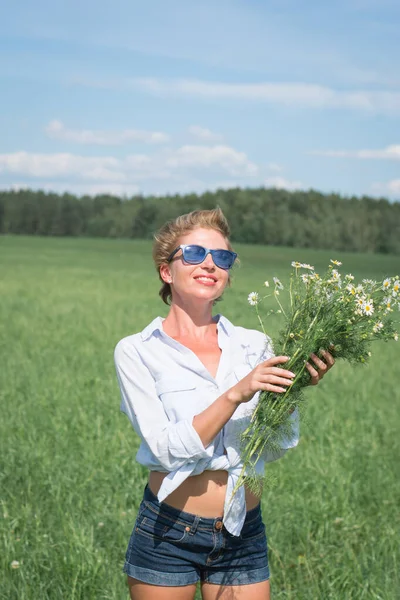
<point>189,321</point>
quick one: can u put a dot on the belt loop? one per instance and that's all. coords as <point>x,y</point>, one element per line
<point>195,524</point>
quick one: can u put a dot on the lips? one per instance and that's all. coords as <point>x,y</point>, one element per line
<point>206,279</point>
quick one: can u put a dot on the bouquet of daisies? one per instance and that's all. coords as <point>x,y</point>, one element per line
<point>329,312</point>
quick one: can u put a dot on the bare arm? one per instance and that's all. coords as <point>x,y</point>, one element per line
<point>266,376</point>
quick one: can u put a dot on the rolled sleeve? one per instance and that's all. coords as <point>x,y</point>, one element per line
<point>172,444</point>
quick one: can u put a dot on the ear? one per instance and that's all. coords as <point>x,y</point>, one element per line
<point>165,273</point>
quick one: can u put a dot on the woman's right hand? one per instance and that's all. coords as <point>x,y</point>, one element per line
<point>265,376</point>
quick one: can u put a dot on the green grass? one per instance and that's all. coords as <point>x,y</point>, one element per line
<point>69,484</point>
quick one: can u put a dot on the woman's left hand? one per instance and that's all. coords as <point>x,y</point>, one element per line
<point>319,368</point>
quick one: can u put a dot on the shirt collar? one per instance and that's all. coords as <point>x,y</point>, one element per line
<point>156,325</point>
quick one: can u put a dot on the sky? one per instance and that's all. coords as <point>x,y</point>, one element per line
<point>180,96</point>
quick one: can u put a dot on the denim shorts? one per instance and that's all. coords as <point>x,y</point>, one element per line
<point>170,547</point>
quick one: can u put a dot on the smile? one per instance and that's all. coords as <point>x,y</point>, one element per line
<point>206,280</point>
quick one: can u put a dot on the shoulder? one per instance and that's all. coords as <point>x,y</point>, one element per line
<point>128,346</point>
<point>133,345</point>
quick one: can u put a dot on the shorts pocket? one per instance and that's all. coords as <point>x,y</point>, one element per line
<point>253,531</point>
<point>160,527</point>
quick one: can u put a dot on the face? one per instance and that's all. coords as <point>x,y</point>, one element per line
<point>203,282</point>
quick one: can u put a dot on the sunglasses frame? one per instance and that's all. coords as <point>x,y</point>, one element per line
<point>207,251</point>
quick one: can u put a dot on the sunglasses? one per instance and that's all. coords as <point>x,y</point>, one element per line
<point>194,255</point>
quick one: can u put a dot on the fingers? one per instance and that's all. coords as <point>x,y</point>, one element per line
<point>315,377</point>
<point>328,357</point>
<point>321,366</point>
<point>273,388</point>
<point>275,360</point>
<point>280,372</point>
<point>277,380</point>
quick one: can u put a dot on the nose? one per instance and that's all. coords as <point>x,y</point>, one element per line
<point>208,262</point>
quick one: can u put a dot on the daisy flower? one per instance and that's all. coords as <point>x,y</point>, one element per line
<point>296,264</point>
<point>266,283</point>
<point>253,298</point>
<point>277,283</point>
<point>387,302</point>
<point>396,287</point>
<point>386,284</point>
<point>377,327</point>
<point>305,278</point>
<point>349,276</point>
<point>307,266</point>
<point>368,307</point>
<point>396,337</point>
<point>336,262</point>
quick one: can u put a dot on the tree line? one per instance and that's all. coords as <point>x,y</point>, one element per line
<point>257,216</point>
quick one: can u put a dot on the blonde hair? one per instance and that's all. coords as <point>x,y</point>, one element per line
<point>167,238</point>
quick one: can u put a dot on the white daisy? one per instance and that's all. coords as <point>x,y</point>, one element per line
<point>253,298</point>
<point>349,277</point>
<point>378,326</point>
<point>368,307</point>
<point>386,284</point>
<point>15,564</point>
<point>396,336</point>
<point>387,302</point>
<point>305,278</point>
<point>396,287</point>
<point>296,264</point>
<point>277,283</point>
<point>336,262</point>
<point>307,266</point>
<point>266,283</point>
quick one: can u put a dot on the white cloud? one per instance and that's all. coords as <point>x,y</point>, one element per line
<point>388,153</point>
<point>389,188</point>
<point>204,134</point>
<point>295,94</point>
<point>282,183</point>
<point>226,158</point>
<point>178,165</point>
<point>61,165</point>
<point>57,130</point>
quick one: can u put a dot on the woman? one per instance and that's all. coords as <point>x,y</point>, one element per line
<point>189,383</point>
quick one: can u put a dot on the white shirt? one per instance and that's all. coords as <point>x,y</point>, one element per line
<point>164,385</point>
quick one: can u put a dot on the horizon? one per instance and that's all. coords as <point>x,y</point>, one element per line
<point>156,99</point>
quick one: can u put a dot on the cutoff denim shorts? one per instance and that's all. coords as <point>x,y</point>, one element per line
<point>169,547</point>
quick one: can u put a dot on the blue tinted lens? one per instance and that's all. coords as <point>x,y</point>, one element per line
<point>194,254</point>
<point>223,258</point>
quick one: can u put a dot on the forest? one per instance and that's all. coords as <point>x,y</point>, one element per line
<point>257,216</point>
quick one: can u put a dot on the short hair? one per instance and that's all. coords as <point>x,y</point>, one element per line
<point>167,237</point>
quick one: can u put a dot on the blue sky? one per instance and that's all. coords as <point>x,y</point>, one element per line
<point>168,96</point>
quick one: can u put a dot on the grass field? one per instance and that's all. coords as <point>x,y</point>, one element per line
<point>69,484</point>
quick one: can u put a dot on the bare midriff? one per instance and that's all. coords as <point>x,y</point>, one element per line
<point>202,495</point>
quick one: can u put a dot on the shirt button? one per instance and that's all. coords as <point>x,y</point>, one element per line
<point>218,525</point>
